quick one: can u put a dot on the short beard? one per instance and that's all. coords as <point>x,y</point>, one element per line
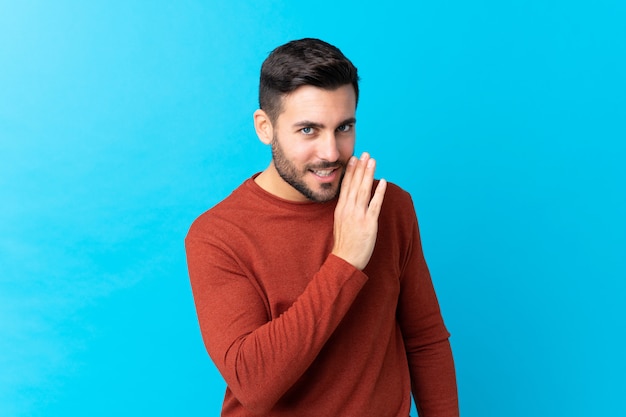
<point>289,173</point>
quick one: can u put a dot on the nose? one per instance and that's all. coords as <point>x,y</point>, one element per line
<point>327,149</point>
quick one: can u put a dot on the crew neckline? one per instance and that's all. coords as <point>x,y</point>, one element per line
<point>251,184</point>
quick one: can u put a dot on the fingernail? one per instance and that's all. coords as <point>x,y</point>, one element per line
<point>352,160</point>
<point>364,156</point>
<point>370,163</point>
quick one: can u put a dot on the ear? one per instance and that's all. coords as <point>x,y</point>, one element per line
<point>263,126</point>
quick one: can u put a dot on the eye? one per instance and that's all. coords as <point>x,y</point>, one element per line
<point>344,128</point>
<point>307,130</point>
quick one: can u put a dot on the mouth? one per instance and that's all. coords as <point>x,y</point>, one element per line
<point>325,174</point>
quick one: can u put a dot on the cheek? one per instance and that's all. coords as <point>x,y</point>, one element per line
<point>301,153</point>
<point>346,148</point>
<point>293,149</point>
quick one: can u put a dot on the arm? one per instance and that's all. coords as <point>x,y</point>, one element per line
<point>259,358</point>
<point>426,338</point>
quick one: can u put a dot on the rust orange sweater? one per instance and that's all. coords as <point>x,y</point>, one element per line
<point>296,331</point>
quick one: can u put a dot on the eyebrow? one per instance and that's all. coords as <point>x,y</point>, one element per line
<point>308,123</point>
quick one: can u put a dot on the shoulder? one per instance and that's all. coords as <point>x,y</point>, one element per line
<point>396,198</point>
<point>396,193</point>
<point>224,215</point>
<point>397,212</point>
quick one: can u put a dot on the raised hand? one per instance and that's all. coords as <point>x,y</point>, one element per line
<point>356,214</point>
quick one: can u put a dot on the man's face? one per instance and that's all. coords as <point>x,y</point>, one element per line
<point>313,139</point>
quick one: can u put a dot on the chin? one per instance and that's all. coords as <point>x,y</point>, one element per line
<point>324,192</point>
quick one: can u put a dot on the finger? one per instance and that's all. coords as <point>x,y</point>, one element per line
<point>347,178</point>
<point>365,188</point>
<point>357,177</point>
<point>377,200</point>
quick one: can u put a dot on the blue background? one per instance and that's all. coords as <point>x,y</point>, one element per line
<point>121,121</point>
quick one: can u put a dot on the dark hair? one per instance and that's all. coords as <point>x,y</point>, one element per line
<point>303,62</point>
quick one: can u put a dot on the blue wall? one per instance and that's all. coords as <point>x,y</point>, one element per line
<point>120,122</point>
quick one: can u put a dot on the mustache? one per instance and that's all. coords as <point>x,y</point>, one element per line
<point>327,165</point>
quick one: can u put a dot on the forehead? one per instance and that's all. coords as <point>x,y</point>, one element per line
<point>318,104</point>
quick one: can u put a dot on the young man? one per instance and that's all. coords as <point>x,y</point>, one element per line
<point>310,284</point>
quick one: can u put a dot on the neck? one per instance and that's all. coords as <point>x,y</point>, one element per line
<point>270,181</point>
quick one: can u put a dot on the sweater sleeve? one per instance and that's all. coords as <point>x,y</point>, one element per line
<point>426,337</point>
<point>261,358</point>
